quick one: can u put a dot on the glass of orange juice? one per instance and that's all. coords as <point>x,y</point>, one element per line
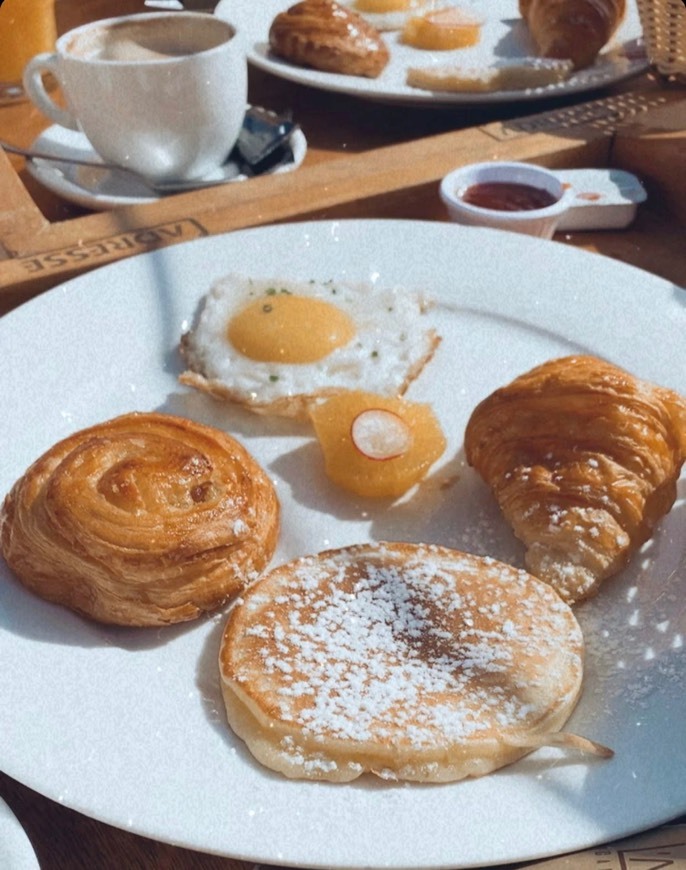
<point>27,27</point>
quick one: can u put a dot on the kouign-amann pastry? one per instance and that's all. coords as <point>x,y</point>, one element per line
<point>575,30</point>
<point>583,459</point>
<point>330,37</point>
<point>145,519</point>
<point>410,661</point>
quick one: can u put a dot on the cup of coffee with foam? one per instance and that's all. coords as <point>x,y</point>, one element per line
<point>163,93</point>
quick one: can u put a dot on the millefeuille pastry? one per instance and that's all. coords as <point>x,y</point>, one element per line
<point>409,661</point>
<point>583,459</point>
<point>145,519</point>
<point>506,75</point>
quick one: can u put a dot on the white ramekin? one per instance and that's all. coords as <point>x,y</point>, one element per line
<point>540,222</point>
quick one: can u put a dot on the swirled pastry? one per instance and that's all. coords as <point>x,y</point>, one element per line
<point>410,661</point>
<point>145,519</point>
<point>583,459</point>
<point>327,36</point>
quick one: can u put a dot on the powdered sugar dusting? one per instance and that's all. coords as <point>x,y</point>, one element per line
<point>635,632</point>
<point>435,648</point>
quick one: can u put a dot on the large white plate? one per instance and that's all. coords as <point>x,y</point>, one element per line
<point>503,37</point>
<point>16,851</point>
<point>128,725</point>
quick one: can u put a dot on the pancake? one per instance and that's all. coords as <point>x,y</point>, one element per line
<point>409,661</point>
<point>145,519</point>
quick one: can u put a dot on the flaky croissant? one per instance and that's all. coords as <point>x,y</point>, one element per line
<point>573,30</point>
<point>583,459</point>
<point>146,519</point>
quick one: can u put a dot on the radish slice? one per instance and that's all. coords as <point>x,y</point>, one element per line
<point>380,434</point>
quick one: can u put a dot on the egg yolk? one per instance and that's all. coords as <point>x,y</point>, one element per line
<point>287,328</point>
<point>379,6</point>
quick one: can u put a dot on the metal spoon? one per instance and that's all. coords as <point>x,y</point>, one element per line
<point>77,161</point>
<point>263,144</point>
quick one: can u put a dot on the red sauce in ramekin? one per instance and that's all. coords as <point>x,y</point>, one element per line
<point>508,196</point>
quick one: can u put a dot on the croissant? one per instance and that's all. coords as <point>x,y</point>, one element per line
<point>583,459</point>
<point>573,30</point>
<point>327,36</point>
<point>146,519</point>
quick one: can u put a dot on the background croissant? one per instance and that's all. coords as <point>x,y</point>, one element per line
<point>583,460</point>
<point>573,30</point>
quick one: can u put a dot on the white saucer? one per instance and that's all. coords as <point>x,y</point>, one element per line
<point>102,189</point>
<point>16,851</point>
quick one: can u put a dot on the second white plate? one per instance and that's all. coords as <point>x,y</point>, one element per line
<point>503,37</point>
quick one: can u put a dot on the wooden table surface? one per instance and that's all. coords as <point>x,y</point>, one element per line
<point>337,128</point>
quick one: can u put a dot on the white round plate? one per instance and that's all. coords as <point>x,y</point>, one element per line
<point>503,37</point>
<point>16,851</point>
<point>128,726</point>
<point>101,189</point>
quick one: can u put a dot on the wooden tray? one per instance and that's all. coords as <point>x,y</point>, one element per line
<point>641,131</point>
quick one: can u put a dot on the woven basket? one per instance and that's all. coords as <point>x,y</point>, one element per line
<point>664,31</point>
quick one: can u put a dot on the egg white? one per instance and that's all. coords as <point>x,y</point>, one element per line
<point>396,19</point>
<point>391,345</point>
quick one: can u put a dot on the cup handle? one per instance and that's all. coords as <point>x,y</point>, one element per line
<point>35,88</point>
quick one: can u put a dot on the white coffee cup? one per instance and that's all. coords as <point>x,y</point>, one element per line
<point>161,93</point>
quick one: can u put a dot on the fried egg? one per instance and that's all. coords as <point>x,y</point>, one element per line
<point>388,15</point>
<point>277,346</point>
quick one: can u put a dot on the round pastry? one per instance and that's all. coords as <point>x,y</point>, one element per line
<point>410,661</point>
<point>146,519</point>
